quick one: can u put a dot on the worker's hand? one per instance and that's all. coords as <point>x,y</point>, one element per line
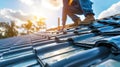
<point>62,29</point>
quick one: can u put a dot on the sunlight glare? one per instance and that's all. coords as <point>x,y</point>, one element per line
<point>52,4</point>
<point>28,2</point>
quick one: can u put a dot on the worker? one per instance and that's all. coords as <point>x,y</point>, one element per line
<point>72,8</point>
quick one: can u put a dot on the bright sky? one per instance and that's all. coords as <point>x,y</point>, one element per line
<point>21,10</point>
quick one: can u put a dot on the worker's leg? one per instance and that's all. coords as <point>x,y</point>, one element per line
<point>75,18</point>
<point>86,7</point>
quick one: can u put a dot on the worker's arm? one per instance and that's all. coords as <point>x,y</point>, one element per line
<point>64,16</point>
<point>64,12</point>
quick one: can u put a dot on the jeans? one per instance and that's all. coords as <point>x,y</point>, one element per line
<point>85,7</point>
<point>81,7</point>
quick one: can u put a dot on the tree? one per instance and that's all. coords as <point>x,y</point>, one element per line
<point>9,29</point>
<point>41,24</point>
<point>28,26</point>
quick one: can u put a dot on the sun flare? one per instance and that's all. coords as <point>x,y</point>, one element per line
<point>52,4</point>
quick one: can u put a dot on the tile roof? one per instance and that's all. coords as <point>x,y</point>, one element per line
<point>83,46</point>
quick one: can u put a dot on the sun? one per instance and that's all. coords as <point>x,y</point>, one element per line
<point>44,9</point>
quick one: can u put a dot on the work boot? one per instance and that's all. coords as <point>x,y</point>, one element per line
<point>89,19</point>
<point>76,23</point>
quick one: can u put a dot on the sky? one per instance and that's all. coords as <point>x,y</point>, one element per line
<point>22,10</point>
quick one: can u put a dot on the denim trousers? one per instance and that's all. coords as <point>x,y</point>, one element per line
<point>85,7</point>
